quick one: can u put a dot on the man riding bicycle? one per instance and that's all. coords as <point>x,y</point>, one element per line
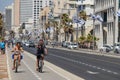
<point>41,51</point>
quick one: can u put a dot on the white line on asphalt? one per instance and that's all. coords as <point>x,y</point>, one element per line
<point>8,66</point>
<point>58,73</point>
<point>32,71</point>
<point>33,57</point>
<point>95,67</point>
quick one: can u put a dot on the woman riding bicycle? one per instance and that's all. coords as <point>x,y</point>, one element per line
<point>17,53</point>
<point>41,51</point>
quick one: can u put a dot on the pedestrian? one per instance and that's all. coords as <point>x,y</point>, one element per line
<point>2,46</point>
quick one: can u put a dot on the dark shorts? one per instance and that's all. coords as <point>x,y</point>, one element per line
<point>3,49</point>
<point>40,57</point>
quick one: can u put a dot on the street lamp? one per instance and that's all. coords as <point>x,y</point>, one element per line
<point>114,16</point>
<point>77,12</point>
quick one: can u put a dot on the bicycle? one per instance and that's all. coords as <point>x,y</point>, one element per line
<point>16,65</point>
<point>40,66</point>
<point>17,61</point>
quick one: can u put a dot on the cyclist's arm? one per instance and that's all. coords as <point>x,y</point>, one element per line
<point>13,49</point>
<point>45,51</point>
<point>21,49</point>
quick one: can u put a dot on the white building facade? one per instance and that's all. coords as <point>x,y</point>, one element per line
<point>38,5</point>
<point>25,10</point>
<point>105,30</point>
<point>87,6</point>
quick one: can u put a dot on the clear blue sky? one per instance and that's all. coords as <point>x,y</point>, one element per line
<point>4,3</point>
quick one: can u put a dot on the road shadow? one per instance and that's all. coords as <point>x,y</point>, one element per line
<point>20,72</point>
<point>44,72</point>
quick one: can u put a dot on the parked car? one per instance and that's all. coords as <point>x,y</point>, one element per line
<point>27,44</point>
<point>31,44</point>
<point>106,48</point>
<point>117,48</point>
<point>72,46</point>
<point>65,44</point>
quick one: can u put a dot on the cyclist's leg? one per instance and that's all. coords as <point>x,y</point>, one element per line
<point>1,51</point>
<point>37,62</point>
<point>15,57</point>
<point>42,60</point>
<point>19,58</point>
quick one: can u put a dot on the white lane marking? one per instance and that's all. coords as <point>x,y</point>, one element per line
<point>32,71</point>
<point>91,72</point>
<point>58,73</point>
<point>8,66</point>
<point>33,57</point>
<point>95,67</point>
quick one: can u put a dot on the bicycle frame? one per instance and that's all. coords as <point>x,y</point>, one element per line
<point>40,66</point>
<point>16,64</point>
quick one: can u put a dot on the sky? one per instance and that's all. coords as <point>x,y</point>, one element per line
<point>4,3</point>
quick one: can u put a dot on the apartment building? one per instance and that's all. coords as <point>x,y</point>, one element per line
<point>25,10</point>
<point>8,17</point>
<point>16,13</point>
<point>70,7</point>
<point>38,5</point>
<point>105,30</point>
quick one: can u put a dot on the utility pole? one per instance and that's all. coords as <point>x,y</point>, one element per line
<point>94,27</point>
<point>114,16</point>
<point>77,8</point>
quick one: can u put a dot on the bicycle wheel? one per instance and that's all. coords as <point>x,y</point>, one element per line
<point>40,66</point>
<point>16,66</point>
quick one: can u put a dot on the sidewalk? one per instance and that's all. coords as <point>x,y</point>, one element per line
<point>3,67</point>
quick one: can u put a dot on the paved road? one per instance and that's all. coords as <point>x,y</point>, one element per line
<point>87,66</point>
<point>27,70</point>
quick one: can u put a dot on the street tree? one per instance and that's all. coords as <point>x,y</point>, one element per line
<point>1,23</point>
<point>68,28</point>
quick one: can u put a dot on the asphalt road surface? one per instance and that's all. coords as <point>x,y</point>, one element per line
<point>87,66</point>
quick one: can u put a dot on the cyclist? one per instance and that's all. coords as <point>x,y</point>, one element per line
<point>17,53</point>
<point>41,52</point>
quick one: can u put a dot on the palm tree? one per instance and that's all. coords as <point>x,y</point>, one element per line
<point>88,41</point>
<point>1,23</point>
<point>56,30</point>
<point>83,16</point>
<point>68,29</point>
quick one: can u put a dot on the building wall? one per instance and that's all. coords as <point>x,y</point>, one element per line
<point>8,14</point>
<point>25,10</point>
<point>37,7</point>
<point>16,12</point>
<point>88,8</point>
<point>102,7</point>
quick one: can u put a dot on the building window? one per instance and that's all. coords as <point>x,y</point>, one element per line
<point>119,3</point>
<point>71,5</point>
<point>105,17</point>
<point>50,2</point>
<point>58,2</point>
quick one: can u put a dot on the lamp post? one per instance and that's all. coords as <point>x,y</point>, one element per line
<point>77,8</point>
<point>114,16</point>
